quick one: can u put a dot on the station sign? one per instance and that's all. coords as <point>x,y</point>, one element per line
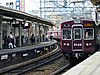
<point>88,24</point>
<point>20,5</point>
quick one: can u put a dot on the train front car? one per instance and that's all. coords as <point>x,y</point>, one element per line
<point>78,38</point>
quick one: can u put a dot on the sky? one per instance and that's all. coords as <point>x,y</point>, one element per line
<point>33,6</point>
<point>30,5</point>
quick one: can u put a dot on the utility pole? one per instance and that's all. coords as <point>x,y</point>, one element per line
<point>40,9</point>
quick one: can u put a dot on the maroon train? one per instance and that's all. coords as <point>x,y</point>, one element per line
<point>55,34</point>
<point>78,37</point>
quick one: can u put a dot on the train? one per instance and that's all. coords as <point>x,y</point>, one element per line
<point>78,38</point>
<point>56,34</point>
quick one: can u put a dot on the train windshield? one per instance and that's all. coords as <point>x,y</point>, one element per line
<point>89,34</point>
<point>77,34</point>
<point>67,34</point>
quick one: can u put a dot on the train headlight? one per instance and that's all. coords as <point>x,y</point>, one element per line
<point>75,44</point>
<point>87,44</point>
<point>90,44</point>
<point>64,44</point>
<point>80,44</point>
<point>67,44</point>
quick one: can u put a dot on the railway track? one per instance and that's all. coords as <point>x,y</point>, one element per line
<point>61,70</point>
<point>31,64</point>
<point>55,67</point>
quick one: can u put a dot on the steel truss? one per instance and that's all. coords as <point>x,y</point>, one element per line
<point>65,9</point>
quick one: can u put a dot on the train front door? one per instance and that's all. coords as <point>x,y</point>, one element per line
<point>77,38</point>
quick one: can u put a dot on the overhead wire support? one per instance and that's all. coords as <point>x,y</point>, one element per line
<point>65,8</point>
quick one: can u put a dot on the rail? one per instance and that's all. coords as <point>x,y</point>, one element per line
<point>33,63</point>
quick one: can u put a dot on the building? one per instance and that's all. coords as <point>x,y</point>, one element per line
<point>28,6</point>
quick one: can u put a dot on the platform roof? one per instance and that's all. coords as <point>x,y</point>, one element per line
<point>12,13</point>
<point>96,2</point>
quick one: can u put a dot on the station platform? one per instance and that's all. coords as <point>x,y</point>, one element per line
<point>25,48</point>
<point>10,57</point>
<point>90,66</point>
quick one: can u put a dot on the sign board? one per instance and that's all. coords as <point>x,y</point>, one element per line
<point>20,5</point>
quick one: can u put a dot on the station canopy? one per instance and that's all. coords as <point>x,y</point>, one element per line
<point>10,14</point>
<point>96,2</point>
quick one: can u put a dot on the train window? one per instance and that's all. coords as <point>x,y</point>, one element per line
<point>89,34</point>
<point>77,34</point>
<point>67,34</point>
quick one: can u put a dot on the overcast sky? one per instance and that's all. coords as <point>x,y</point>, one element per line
<point>32,5</point>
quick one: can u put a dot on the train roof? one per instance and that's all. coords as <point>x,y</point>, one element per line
<point>54,30</point>
<point>87,20</point>
<point>73,20</point>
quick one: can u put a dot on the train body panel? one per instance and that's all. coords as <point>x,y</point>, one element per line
<point>78,36</point>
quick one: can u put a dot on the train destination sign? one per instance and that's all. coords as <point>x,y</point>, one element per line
<point>88,24</point>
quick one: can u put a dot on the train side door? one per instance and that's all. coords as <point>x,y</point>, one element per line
<point>77,38</point>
